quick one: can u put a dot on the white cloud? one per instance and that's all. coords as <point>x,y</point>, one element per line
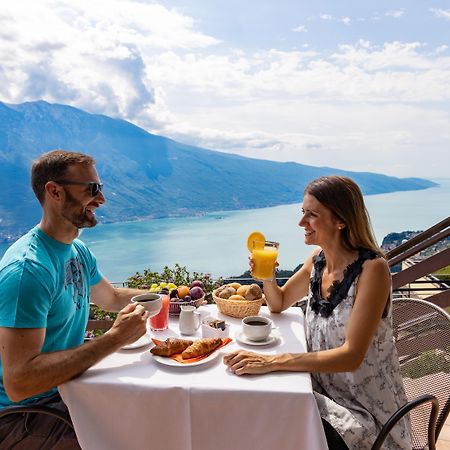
<point>395,13</point>
<point>346,20</point>
<point>363,98</point>
<point>441,13</point>
<point>300,29</point>
<point>326,16</point>
<point>90,54</point>
<point>361,72</point>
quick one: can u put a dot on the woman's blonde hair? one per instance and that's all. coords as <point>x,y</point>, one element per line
<point>343,197</point>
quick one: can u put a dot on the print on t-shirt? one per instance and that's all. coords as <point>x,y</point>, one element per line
<point>74,276</point>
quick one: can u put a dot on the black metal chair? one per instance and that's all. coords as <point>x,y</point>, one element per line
<point>422,333</point>
<point>38,409</point>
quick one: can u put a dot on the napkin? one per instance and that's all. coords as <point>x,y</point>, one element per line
<point>177,357</point>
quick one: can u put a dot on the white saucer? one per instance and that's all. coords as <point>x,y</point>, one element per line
<point>240,337</point>
<point>141,342</point>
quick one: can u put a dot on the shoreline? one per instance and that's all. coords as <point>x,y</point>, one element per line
<point>9,237</point>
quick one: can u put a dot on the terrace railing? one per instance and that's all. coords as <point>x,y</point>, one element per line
<point>417,275</point>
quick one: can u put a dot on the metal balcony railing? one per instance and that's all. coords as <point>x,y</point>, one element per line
<point>417,276</point>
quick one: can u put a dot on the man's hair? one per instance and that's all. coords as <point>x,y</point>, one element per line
<point>343,197</point>
<point>53,165</point>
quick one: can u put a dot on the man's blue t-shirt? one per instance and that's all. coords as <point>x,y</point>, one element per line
<point>46,284</point>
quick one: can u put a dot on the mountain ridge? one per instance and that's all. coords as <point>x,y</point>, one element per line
<point>146,175</point>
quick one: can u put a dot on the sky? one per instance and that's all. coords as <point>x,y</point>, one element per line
<point>356,85</point>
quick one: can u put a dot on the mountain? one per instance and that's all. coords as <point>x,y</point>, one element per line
<point>145,175</point>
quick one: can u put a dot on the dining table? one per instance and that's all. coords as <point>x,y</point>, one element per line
<point>131,400</point>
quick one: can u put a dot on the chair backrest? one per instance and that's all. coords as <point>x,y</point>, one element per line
<point>422,333</point>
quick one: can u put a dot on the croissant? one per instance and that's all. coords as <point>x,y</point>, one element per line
<point>171,346</point>
<point>201,347</point>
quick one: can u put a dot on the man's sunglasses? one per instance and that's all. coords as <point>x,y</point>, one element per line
<point>94,187</point>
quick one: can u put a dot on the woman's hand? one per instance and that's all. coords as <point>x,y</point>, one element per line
<point>251,264</point>
<point>242,362</point>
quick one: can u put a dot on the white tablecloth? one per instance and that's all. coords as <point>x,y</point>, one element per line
<point>129,401</point>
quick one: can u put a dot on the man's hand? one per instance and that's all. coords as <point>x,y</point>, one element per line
<point>130,324</point>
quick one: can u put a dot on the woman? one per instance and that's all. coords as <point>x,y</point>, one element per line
<point>351,353</point>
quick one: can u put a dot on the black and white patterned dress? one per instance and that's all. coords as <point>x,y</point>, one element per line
<point>358,403</point>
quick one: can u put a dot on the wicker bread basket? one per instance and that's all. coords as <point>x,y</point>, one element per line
<point>238,308</point>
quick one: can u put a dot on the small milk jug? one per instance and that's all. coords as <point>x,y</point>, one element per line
<point>189,319</point>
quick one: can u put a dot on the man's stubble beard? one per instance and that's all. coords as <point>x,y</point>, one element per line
<point>80,220</point>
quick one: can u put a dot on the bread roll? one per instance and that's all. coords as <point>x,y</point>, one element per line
<point>236,297</point>
<point>254,292</point>
<point>227,292</point>
<point>220,289</point>
<point>235,285</point>
<point>243,290</point>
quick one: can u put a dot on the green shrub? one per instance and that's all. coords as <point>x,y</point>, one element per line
<point>178,275</point>
<point>427,363</point>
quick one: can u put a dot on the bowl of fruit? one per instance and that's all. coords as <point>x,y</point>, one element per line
<point>194,294</point>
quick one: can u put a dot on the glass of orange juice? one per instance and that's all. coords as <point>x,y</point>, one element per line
<point>264,256</point>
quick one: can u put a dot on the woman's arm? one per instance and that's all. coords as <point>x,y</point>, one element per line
<point>278,299</point>
<point>372,293</point>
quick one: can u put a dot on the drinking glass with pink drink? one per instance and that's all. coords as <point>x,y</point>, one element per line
<point>160,322</point>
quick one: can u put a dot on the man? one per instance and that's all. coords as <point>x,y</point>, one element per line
<point>47,279</point>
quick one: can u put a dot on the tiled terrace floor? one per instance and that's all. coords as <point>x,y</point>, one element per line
<point>443,442</point>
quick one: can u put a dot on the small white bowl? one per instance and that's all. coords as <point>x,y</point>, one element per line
<point>211,332</point>
<point>151,302</point>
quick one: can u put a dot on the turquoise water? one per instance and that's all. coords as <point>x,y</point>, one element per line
<point>215,243</point>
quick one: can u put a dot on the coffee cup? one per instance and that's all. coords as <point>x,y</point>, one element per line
<point>150,301</point>
<point>256,328</point>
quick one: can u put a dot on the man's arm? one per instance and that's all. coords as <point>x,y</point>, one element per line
<point>28,372</point>
<point>110,298</point>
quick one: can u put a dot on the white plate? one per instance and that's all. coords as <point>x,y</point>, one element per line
<point>240,337</point>
<point>171,362</point>
<point>141,342</point>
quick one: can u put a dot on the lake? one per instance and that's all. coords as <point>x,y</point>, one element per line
<point>216,243</point>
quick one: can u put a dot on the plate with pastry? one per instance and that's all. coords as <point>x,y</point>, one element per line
<point>185,352</point>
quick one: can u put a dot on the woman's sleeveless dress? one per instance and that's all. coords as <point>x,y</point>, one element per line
<point>356,404</point>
